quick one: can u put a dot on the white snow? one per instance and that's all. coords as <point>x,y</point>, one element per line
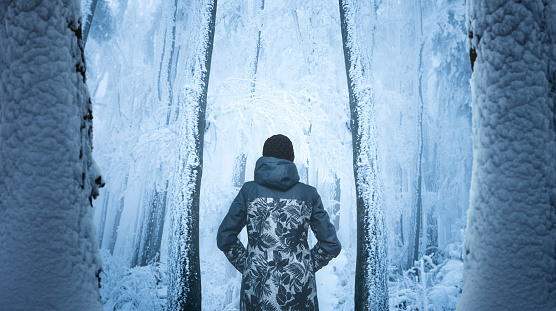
<point>49,256</point>
<point>509,254</point>
<point>137,288</point>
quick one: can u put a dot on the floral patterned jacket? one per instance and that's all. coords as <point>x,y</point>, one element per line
<point>278,267</point>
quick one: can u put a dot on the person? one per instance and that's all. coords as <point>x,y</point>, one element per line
<point>278,267</point>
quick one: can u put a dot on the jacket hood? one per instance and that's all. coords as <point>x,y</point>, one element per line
<point>276,173</point>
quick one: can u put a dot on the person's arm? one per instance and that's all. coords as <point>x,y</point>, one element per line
<point>226,239</point>
<point>328,245</point>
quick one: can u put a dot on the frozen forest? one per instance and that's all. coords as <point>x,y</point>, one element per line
<point>428,127</point>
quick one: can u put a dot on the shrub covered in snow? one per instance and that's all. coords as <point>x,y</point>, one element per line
<point>137,288</point>
<point>433,284</point>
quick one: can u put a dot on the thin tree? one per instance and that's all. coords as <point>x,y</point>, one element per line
<point>151,226</point>
<point>255,64</point>
<point>89,21</point>
<point>184,265</point>
<point>509,247</point>
<point>419,231</point>
<point>49,256</point>
<point>371,288</point>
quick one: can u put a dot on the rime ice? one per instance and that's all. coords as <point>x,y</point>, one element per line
<point>509,254</point>
<point>49,254</point>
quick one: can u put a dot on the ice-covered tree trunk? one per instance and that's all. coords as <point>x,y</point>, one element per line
<point>371,288</point>
<point>255,64</point>
<point>89,19</point>
<point>417,232</point>
<point>153,212</point>
<point>151,227</point>
<point>191,85</point>
<point>49,256</point>
<point>509,256</point>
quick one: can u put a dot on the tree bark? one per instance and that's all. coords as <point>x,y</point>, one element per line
<point>371,288</point>
<point>151,227</point>
<point>49,254</point>
<point>89,21</point>
<point>184,265</point>
<point>255,64</point>
<point>509,255</point>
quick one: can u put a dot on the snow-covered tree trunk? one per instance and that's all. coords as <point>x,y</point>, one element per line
<point>371,288</point>
<point>49,257</point>
<point>149,242</point>
<point>191,85</point>
<point>89,20</point>
<point>509,247</point>
<point>255,64</point>
<point>417,231</point>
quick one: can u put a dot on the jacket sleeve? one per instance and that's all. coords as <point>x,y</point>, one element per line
<point>227,240</point>
<point>328,245</point>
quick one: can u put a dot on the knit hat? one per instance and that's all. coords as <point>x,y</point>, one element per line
<point>278,146</point>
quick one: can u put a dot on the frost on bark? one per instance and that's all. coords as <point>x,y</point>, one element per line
<point>89,20</point>
<point>417,233</point>
<point>371,288</point>
<point>196,28</point>
<point>49,254</point>
<point>253,67</point>
<point>147,250</point>
<point>509,255</point>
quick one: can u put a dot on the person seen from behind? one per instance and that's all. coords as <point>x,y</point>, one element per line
<point>278,267</point>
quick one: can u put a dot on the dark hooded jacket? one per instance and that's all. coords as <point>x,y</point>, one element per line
<point>278,267</point>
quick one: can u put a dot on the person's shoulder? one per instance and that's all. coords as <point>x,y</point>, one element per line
<point>249,185</point>
<point>249,188</point>
<point>306,187</point>
<point>309,190</point>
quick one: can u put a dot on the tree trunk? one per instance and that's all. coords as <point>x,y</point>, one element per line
<point>420,231</point>
<point>151,227</point>
<point>509,244</point>
<point>255,64</point>
<point>49,254</point>
<point>371,288</point>
<point>184,265</point>
<point>239,170</point>
<point>171,69</point>
<point>117,218</point>
<point>89,21</point>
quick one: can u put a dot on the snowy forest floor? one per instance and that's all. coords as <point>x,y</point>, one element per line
<point>144,288</point>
